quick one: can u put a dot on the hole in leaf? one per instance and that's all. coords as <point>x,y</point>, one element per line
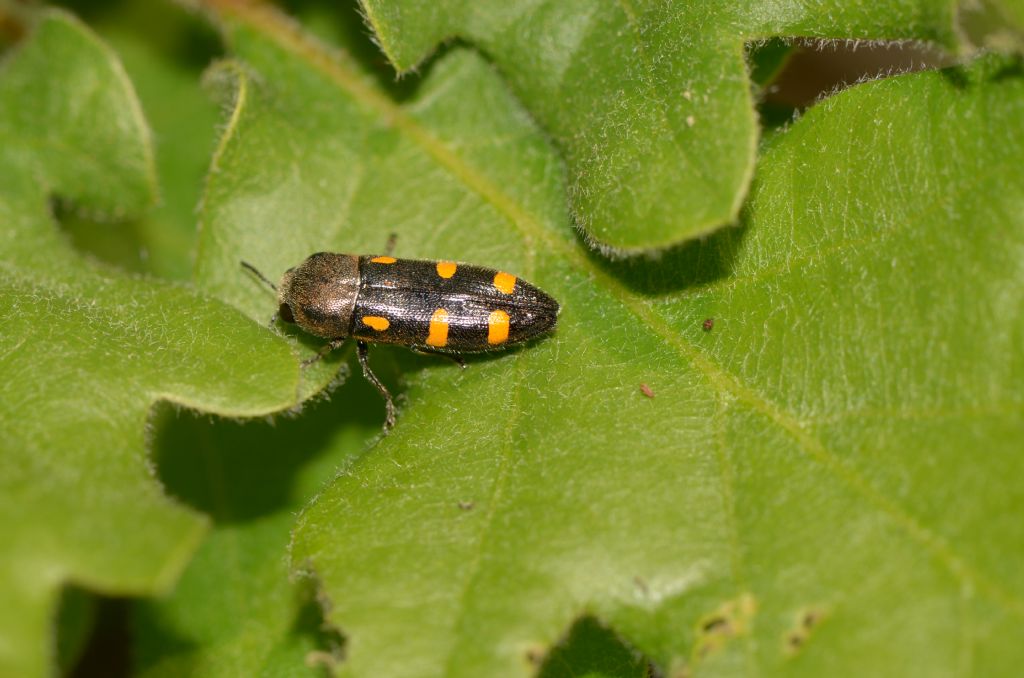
<point>310,622</point>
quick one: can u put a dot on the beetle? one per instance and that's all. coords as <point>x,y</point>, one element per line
<point>429,306</point>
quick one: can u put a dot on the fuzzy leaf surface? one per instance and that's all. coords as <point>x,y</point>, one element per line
<point>823,482</point>
<point>164,51</point>
<point>236,610</point>
<point>649,102</point>
<point>85,351</point>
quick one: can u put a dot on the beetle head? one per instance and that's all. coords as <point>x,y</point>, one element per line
<point>319,295</point>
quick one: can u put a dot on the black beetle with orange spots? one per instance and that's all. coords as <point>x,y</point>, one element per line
<point>430,306</point>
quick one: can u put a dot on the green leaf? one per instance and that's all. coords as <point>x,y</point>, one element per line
<point>824,479</point>
<point>163,50</point>
<point>85,351</point>
<point>648,102</point>
<point>235,612</point>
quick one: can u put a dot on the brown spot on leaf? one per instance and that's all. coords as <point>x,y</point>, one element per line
<point>731,619</point>
<point>798,636</point>
<point>716,625</point>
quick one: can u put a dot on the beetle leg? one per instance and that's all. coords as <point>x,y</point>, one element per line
<point>389,246</point>
<point>363,351</point>
<point>454,357</point>
<point>322,353</point>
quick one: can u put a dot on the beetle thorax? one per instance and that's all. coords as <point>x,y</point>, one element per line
<point>320,294</point>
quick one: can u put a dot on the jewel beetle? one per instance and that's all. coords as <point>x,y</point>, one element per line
<point>429,306</point>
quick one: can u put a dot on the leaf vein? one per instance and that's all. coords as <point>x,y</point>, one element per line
<point>335,68</point>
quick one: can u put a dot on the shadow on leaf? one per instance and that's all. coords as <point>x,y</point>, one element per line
<point>239,471</point>
<point>342,24</point>
<point>691,264</point>
<point>592,649</point>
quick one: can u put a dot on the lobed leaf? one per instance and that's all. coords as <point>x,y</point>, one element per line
<point>649,103</point>
<point>235,610</point>
<point>85,351</point>
<point>824,475</point>
<point>163,51</point>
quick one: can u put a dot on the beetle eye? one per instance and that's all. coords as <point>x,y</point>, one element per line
<point>285,311</point>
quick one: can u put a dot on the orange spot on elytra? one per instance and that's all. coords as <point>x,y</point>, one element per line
<point>505,282</point>
<point>446,269</point>
<point>383,260</point>
<point>438,335</point>
<point>497,327</point>
<point>376,322</point>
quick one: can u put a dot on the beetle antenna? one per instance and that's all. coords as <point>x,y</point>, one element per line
<point>256,272</point>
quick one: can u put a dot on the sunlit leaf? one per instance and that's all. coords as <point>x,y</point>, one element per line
<point>822,473</point>
<point>648,102</point>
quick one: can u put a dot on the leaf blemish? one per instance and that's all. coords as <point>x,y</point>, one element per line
<point>331,641</point>
<point>535,655</point>
<point>733,618</point>
<point>716,625</point>
<point>807,621</point>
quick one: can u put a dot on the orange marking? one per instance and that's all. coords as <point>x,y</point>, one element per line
<point>438,335</point>
<point>497,327</point>
<point>376,322</point>
<point>446,269</point>
<point>505,282</point>
<point>383,260</point>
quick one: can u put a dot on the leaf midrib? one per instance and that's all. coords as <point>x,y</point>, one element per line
<point>331,62</point>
